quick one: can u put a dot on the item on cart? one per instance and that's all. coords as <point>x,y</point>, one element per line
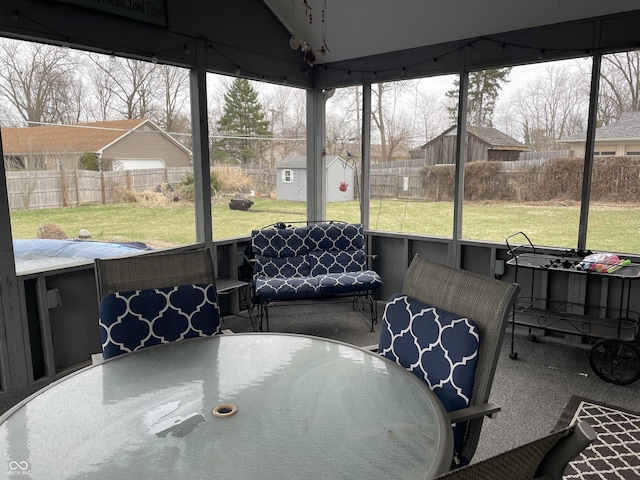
<point>602,263</point>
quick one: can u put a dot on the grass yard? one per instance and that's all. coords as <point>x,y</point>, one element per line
<point>611,228</point>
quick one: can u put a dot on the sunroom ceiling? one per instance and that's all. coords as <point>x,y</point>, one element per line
<point>251,38</point>
<point>360,28</point>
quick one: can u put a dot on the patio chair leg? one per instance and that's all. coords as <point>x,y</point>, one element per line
<point>263,316</point>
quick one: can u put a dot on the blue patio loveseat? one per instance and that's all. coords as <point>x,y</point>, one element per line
<point>318,260</point>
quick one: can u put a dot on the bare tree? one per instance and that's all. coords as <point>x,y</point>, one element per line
<point>126,88</point>
<point>551,107</point>
<point>619,85</point>
<point>39,82</point>
<point>431,119</point>
<point>341,136</point>
<point>286,112</point>
<point>175,93</point>
<point>389,118</point>
<point>343,123</point>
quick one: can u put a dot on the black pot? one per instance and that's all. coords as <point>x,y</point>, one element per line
<point>240,204</point>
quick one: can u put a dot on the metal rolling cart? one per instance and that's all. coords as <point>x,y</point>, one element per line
<point>615,352</point>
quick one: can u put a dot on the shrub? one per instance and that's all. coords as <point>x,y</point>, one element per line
<point>485,180</point>
<point>88,161</point>
<point>232,179</point>
<point>52,231</point>
<point>187,188</point>
<point>561,178</point>
<point>124,195</point>
<point>438,181</point>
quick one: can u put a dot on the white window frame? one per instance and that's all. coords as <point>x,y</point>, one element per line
<point>287,175</point>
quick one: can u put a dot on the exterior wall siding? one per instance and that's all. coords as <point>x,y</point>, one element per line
<point>151,144</point>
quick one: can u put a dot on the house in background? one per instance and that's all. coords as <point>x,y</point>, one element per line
<point>483,143</point>
<point>291,183</point>
<point>117,145</point>
<point>617,139</point>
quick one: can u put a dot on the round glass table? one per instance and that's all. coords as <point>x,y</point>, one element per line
<point>240,406</point>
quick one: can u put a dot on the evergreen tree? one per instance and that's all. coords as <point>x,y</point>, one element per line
<point>243,118</point>
<point>484,88</point>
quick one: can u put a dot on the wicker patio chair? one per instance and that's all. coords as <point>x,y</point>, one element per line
<point>155,298</point>
<point>542,459</point>
<point>477,309</point>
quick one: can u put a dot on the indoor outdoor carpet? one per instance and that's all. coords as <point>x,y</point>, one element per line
<point>615,454</point>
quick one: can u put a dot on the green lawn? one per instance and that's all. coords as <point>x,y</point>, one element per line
<point>611,228</point>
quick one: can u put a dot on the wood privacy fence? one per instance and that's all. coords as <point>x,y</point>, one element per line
<point>30,189</point>
<point>615,179</point>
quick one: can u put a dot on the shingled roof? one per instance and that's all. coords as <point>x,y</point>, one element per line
<point>301,162</point>
<point>627,127</point>
<point>78,138</point>
<point>493,137</point>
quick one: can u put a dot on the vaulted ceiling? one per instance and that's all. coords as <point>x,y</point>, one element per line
<point>361,38</point>
<point>360,28</point>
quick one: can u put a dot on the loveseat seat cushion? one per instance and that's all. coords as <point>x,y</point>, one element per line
<point>281,267</point>
<point>439,347</point>
<point>349,282</point>
<point>137,319</point>
<point>286,288</point>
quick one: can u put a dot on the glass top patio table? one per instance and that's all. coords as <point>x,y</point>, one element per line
<point>306,408</point>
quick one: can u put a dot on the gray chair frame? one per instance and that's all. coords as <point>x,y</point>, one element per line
<point>486,301</point>
<point>542,459</point>
<point>153,270</point>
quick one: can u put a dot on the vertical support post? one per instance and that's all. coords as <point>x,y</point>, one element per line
<point>365,155</point>
<point>45,327</point>
<point>587,172</point>
<point>461,155</point>
<point>13,360</point>
<point>200,129</point>
<point>316,178</point>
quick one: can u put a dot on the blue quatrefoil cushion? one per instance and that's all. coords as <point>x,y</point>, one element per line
<point>137,319</point>
<point>280,242</point>
<point>437,346</point>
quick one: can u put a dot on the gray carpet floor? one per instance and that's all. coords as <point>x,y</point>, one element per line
<point>532,390</point>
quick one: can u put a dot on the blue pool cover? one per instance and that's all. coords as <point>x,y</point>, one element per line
<point>44,254</point>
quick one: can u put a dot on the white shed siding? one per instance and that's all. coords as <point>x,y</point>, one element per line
<point>339,171</point>
<point>336,171</point>
<point>296,189</point>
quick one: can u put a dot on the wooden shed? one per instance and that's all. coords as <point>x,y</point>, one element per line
<point>483,143</point>
<point>292,179</point>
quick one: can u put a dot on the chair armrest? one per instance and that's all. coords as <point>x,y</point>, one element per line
<point>371,348</point>
<point>486,410</point>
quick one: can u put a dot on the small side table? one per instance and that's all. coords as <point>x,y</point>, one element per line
<point>226,286</point>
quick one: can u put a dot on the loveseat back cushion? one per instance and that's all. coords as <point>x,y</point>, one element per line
<point>137,319</point>
<point>280,242</point>
<point>336,248</point>
<point>322,262</point>
<point>336,236</point>
<point>439,347</point>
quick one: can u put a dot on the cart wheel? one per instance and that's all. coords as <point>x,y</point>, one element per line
<point>615,361</point>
